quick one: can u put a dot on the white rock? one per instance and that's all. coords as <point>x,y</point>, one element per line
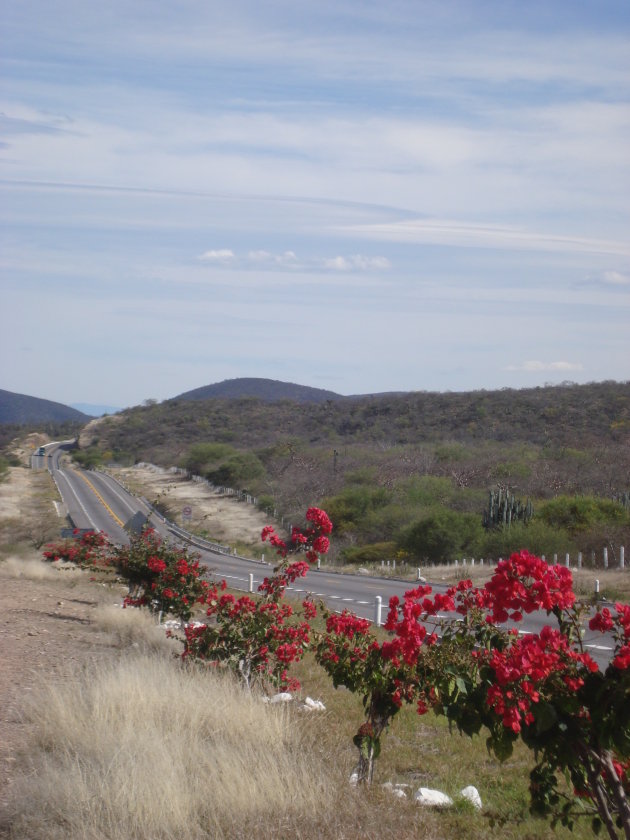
<point>172,624</point>
<point>426,796</point>
<point>315,705</point>
<point>362,571</point>
<point>472,795</point>
<point>398,790</point>
<point>354,779</point>
<point>283,697</point>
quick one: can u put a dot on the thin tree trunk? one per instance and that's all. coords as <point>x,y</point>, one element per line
<point>619,793</point>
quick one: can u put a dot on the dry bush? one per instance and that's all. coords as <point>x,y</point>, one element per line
<point>31,568</point>
<point>146,749</point>
<point>134,628</point>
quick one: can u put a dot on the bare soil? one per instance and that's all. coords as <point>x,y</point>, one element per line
<point>221,518</point>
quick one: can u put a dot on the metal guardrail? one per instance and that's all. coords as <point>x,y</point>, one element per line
<point>199,542</point>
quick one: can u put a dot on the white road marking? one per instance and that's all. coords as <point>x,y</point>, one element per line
<point>74,493</point>
<point>117,494</point>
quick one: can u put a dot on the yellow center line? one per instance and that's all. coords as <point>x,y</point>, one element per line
<point>102,501</point>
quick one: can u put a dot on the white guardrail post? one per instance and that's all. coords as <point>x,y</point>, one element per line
<point>378,610</point>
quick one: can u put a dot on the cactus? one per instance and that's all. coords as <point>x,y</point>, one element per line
<point>504,508</point>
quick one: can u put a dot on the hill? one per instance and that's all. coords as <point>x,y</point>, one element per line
<point>267,390</point>
<point>385,465</point>
<point>20,409</point>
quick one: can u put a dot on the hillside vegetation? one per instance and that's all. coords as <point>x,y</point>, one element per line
<point>407,476</point>
<point>20,409</point>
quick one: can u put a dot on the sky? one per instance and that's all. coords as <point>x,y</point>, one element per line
<point>351,195</point>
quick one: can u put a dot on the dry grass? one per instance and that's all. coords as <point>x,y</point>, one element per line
<point>31,568</point>
<point>146,749</point>
<point>135,628</point>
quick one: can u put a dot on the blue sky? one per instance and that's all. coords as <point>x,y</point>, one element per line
<point>351,195</point>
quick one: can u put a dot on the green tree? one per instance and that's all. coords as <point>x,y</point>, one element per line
<point>443,535</point>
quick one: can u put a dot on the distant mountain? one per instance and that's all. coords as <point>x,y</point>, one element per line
<point>267,390</point>
<point>96,410</point>
<point>21,409</point>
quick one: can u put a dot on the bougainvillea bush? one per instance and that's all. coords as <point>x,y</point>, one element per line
<point>543,688</point>
<point>386,674</point>
<point>87,548</point>
<point>163,577</point>
<point>259,638</point>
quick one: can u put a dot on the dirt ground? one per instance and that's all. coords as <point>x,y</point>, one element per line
<point>224,519</point>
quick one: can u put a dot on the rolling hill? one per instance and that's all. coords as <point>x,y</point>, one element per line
<point>267,390</point>
<point>20,409</point>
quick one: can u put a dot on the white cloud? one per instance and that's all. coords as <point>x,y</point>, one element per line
<point>535,366</point>
<point>357,262</point>
<point>614,278</point>
<point>220,255</point>
<point>289,259</point>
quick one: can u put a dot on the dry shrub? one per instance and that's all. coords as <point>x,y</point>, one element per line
<point>147,749</point>
<point>34,569</point>
<point>134,628</point>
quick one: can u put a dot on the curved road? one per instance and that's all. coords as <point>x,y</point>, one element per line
<point>95,500</point>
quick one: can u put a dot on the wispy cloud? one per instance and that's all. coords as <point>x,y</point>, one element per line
<point>534,366</point>
<point>610,279</point>
<point>476,235</point>
<point>289,260</point>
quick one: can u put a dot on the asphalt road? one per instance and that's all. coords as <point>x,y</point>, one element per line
<point>95,500</point>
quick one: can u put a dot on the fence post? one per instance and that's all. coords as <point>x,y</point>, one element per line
<point>605,557</point>
<point>579,559</point>
<point>378,604</point>
<point>567,560</point>
<point>622,559</point>
<point>419,574</point>
<point>319,563</point>
<point>251,582</point>
<point>555,559</point>
<point>596,586</point>
<point>393,564</point>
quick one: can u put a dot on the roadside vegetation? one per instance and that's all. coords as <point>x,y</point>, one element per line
<point>149,747</point>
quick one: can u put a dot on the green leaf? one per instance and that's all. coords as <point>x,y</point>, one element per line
<point>545,716</point>
<point>501,747</point>
<point>461,685</point>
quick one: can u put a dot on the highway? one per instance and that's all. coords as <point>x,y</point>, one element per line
<point>97,501</point>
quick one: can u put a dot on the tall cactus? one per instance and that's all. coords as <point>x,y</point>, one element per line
<point>503,509</point>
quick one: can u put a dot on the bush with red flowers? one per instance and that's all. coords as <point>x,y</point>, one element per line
<point>87,548</point>
<point>163,577</point>
<point>259,638</point>
<point>543,688</point>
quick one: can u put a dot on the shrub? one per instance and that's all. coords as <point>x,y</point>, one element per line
<point>443,535</point>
